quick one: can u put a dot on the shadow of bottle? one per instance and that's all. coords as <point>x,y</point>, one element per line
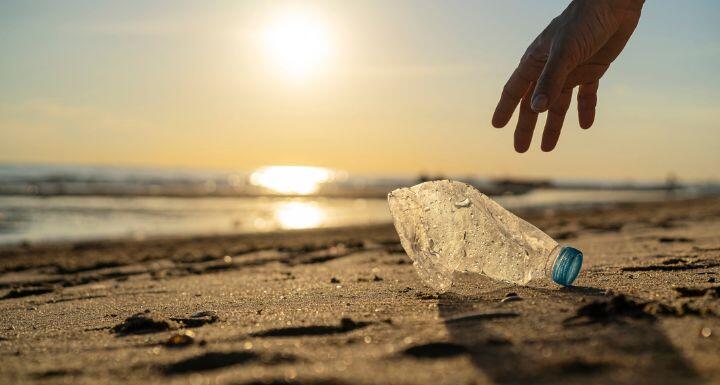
<point>527,341</point>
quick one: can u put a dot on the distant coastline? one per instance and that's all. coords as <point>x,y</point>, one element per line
<point>34,180</point>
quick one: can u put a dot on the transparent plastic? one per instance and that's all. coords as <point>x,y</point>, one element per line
<point>447,226</point>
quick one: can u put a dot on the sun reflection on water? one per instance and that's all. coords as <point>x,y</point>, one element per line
<point>299,215</point>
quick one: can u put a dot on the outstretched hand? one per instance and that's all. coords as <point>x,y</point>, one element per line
<point>574,50</point>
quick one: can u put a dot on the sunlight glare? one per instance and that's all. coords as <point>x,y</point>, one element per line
<point>298,44</point>
<point>301,180</point>
<point>299,215</point>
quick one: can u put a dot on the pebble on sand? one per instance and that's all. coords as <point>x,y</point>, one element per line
<point>181,339</point>
<point>146,322</point>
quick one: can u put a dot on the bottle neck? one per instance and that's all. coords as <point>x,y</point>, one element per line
<point>550,261</point>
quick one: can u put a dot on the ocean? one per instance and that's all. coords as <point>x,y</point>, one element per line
<point>61,203</point>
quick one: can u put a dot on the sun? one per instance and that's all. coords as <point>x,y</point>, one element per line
<point>297,44</point>
<point>293,180</point>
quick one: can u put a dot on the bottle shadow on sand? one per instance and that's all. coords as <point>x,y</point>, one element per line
<point>542,340</point>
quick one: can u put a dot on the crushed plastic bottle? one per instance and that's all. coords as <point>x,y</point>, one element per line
<point>447,226</point>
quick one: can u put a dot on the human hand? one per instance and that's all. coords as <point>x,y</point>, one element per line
<point>574,50</point>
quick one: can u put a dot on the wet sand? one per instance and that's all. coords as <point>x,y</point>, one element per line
<point>345,306</point>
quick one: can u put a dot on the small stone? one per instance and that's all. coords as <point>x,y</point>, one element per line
<point>511,299</point>
<point>182,339</point>
<point>205,313</point>
<point>712,279</point>
<point>146,322</point>
<point>334,280</point>
<point>198,319</point>
<point>377,278</point>
<point>463,203</point>
<point>706,332</point>
<point>158,274</point>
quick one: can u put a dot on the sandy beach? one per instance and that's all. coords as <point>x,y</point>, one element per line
<point>344,306</point>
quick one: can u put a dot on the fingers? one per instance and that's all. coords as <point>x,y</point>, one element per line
<point>512,92</point>
<point>514,89</point>
<point>586,102</point>
<point>526,122</point>
<point>555,119</point>
<point>552,79</point>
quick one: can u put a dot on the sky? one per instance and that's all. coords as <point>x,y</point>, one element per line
<point>395,87</point>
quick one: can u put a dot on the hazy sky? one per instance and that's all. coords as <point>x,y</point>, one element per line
<point>407,86</point>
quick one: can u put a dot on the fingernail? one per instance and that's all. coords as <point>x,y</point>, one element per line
<point>539,102</point>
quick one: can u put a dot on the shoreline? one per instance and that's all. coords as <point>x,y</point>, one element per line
<point>528,213</point>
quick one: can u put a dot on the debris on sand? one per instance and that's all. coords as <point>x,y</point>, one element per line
<point>181,339</point>
<point>144,323</point>
<point>198,319</point>
<point>511,297</point>
<point>151,322</point>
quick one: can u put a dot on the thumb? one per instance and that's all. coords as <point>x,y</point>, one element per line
<point>552,79</point>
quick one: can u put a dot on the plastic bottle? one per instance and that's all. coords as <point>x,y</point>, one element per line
<point>447,226</point>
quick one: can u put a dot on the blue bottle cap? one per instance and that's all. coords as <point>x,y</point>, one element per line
<point>567,266</point>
